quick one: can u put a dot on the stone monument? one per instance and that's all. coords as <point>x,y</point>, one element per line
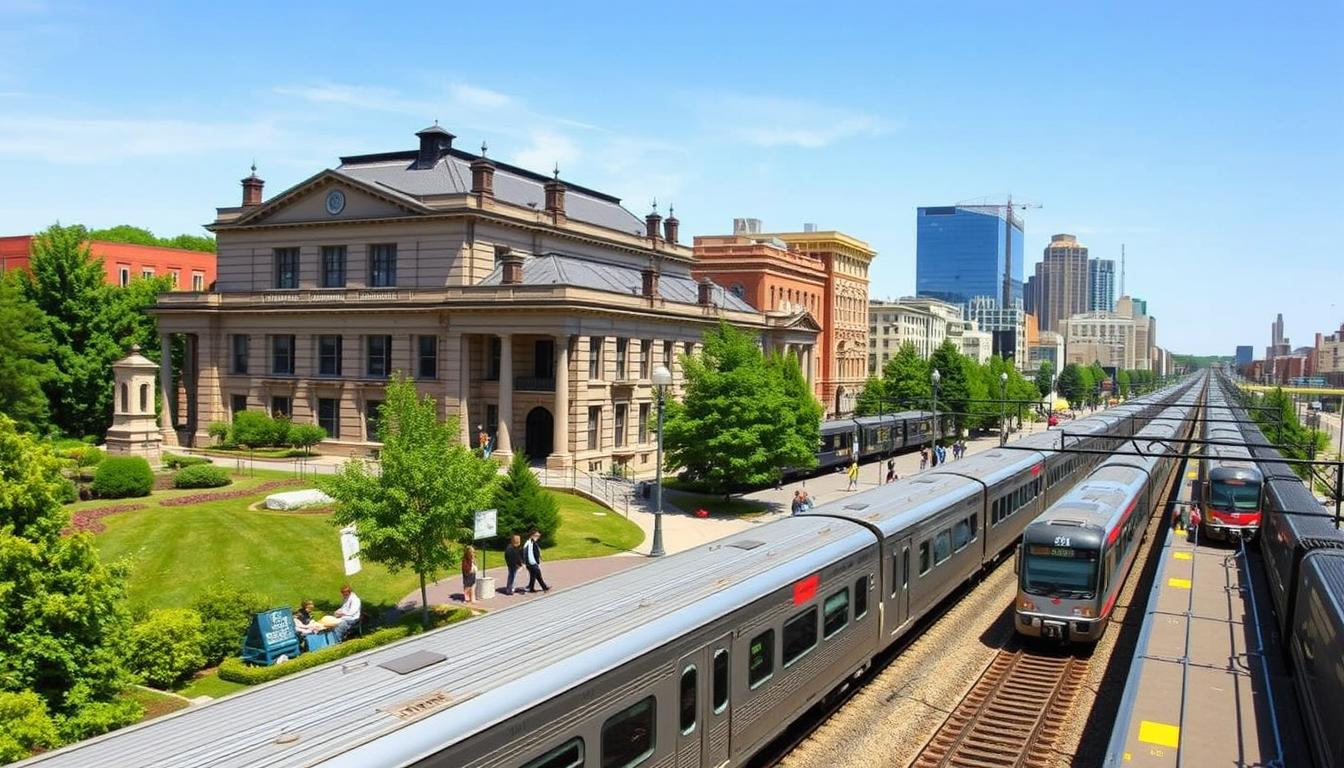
<point>135,427</point>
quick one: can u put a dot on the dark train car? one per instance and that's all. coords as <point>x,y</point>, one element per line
<point>1317,651</point>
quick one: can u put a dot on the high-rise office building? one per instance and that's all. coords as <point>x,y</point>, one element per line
<point>1062,280</point>
<point>960,253</point>
<point>1101,285</point>
<point>1245,354</point>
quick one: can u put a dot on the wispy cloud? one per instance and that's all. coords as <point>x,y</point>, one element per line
<point>482,98</point>
<point>64,140</point>
<point>768,121</point>
<point>546,150</point>
<point>22,6</point>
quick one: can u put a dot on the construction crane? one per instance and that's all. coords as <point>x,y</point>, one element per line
<point>1007,210</point>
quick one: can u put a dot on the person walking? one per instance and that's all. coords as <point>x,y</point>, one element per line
<point>891,470</point>
<point>797,506</point>
<point>513,558</point>
<point>923,458</point>
<point>469,574</point>
<point>853,476</point>
<point>532,559</point>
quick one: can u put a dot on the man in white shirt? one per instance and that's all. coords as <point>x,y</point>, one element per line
<point>348,613</point>
<point>532,559</point>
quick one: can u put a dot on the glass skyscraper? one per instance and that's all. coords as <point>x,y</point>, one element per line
<point>959,253</point>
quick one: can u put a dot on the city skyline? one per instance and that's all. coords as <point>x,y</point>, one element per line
<point>149,115</point>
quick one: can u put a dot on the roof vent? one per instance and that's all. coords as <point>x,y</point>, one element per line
<point>746,544</point>
<point>856,507</point>
<point>404,665</point>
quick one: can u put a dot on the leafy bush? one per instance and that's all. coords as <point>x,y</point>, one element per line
<point>523,504</point>
<point>174,461</point>
<point>24,726</point>
<point>225,612</point>
<point>166,647</point>
<point>251,428</point>
<point>119,477</point>
<point>84,456</point>
<point>69,493</point>
<point>201,476</point>
<point>219,430</point>
<point>279,432</point>
<point>236,670</point>
<point>306,436</point>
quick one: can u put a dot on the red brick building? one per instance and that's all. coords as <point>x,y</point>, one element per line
<point>123,262</point>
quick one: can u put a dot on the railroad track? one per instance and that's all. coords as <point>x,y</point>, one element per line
<point>1012,716</point>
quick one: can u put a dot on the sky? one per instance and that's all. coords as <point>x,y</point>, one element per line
<point>1208,138</point>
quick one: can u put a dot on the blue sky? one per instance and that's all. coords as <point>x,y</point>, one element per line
<point>1208,138</point>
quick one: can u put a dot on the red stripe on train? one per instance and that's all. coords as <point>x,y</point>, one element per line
<point>1115,532</point>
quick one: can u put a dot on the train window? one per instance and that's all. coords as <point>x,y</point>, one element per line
<point>761,659</point>
<point>895,570</point>
<point>971,521</point>
<point>689,700</point>
<point>924,558</point>
<point>835,613</point>
<point>861,597</point>
<point>961,535</point>
<point>720,680</point>
<point>800,635</point>
<point>567,755</point>
<point>942,547</point>
<point>905,568</point>
<point>630,736</point>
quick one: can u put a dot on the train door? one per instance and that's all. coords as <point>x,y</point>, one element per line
<point>899,599</point>
<point>704,706</point>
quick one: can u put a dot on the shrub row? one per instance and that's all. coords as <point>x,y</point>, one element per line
<point>174,461</point>
<point>199,498</point>
<point>120,477</point>
<point>236,670</point>
<point>166,647</point>
<point>201,476</point>
<point>256,429</point>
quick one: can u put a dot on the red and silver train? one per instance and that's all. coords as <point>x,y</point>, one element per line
<point>1229,482</point>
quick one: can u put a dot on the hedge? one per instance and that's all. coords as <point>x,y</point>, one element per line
<point>201,476</point>
<point>119,477</point>
<point>174,461</point>
<point>236,670</point>
<point>166,647</point>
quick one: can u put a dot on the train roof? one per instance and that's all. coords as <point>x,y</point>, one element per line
<point>901,504</point>
<point>478,673</point>
<point>993,466</point>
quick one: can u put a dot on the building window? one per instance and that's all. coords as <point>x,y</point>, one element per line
<point>282,355</point>
<point>124,276</point>
<point>645,358</point>
<point>280,407</point>
<point>175,278</point>
<point>147,272</point>
<point>643,422</point>
<point>667,354</point>
<point>286,267</point>
<point>492,360</point>
<point>595,357</point>
<point>629,737</point>
<point>383,265</point>
<point>622,346</point>
<point>371,420</point>
<point>144,398</point>
<point>492,421</point>
<point>333,266</point>
<point>688,348</point>
<point>329,416</point>
<point>594,426</point>
<point>543,359</point>
<point>237,404</point>
<point>197,281</point>
<point>621,409</point>
<point>738,290</point>
<point>379,357</point>
<point>428,360</point>
<point>329,355</point>
<point>239,357</point>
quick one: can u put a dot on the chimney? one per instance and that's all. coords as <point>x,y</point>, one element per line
<point>482,175</point>
<point>650,289</point>
<point>512,264</point>
<point>434,144</point>
<point>670,226</point>
<point>705,294</point>
<point>252,189</point>
<point>555,195</point>
<point>651,222</point>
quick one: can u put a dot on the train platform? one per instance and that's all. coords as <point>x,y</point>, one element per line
<point>1207,685</point>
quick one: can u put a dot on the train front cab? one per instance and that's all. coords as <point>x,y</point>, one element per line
<point>1232,504</point>
<point>1058,580</point>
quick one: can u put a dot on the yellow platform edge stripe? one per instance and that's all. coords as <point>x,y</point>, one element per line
<point>1183,555</point>
<point>1179,583</point>
<point>1161,734</point>
<point>1191,475</point>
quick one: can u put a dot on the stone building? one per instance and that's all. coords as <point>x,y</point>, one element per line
<point>528,306</point>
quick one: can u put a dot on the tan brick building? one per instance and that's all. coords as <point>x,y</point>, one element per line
<point>530,306</point>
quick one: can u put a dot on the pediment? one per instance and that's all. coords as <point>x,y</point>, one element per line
<point>331,197</point>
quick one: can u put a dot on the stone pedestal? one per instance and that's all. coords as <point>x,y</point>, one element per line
<point>135,428</point>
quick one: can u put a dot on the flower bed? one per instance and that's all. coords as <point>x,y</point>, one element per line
<point>90,519</point>
<point>200,498</point>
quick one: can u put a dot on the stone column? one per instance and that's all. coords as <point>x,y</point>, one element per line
<point>166,393</point>
<point>464,425</point>
<point>503,442</point>
<point>807,364</point>
<point>560,453</point>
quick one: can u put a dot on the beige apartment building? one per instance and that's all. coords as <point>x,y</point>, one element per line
<point>926,323</point>
<point>1061,283</point>
<point>1124,338</point>
<point>528,306</point>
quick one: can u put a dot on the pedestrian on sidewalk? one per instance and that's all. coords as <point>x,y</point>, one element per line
<point>941,453</point>
<point>468,574</point>
<point>513,558</point>
<point>923,458</point>
<point>891,470</point>
<point>532,558</point>
<point>808,502</point>
<point>853,476</point>
<point>797,506</point>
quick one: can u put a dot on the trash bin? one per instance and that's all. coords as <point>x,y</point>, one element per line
<point>485,587</point>
<point>645,489</point>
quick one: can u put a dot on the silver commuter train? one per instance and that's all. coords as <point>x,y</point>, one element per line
<point>699,658</point>
<point>1229,482</point>
<point>1074,558</point>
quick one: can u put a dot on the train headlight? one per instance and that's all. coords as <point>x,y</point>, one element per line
<point>1025,604</point>
<point>1088,612</point>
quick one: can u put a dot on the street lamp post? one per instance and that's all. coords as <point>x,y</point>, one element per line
<point>662,379</point>
<point>1003,408</point>
<point>937,378</point>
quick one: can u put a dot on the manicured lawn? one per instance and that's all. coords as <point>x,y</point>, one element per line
<point>717,505</point>
<point>156,704</point>
<point>176,552</point>
<point>210,685</point>
<point>257,453</point>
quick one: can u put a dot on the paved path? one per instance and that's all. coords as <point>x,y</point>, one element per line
<point>559,576</point>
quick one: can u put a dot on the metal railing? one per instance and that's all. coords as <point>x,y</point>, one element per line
<point>614,493</point>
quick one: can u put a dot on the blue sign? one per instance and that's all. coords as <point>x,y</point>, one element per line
<point>270,636</point>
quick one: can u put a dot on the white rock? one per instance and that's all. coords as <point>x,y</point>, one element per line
<point>297,499</point>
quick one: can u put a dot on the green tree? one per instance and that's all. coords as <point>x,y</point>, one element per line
<point>872,398</point>
<point>24,367</point>
<point>1073,384</point>
<point>1045,377</point>
<point>125,233</point>
<point>738,425</point>
<point>63,622</point>
<point>906,377</point>
<point>799,433</point>
<point>24,726</point>
<point>1098,375</point>
<point>954,390</point>
<point>523,504</point>
<point>410,514</point>
<point>1122,382</point>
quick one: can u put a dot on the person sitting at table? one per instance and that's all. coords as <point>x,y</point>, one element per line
<point>304,621</point>
<point>348,613</point>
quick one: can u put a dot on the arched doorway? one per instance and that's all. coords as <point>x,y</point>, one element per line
<point>540,437</point>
